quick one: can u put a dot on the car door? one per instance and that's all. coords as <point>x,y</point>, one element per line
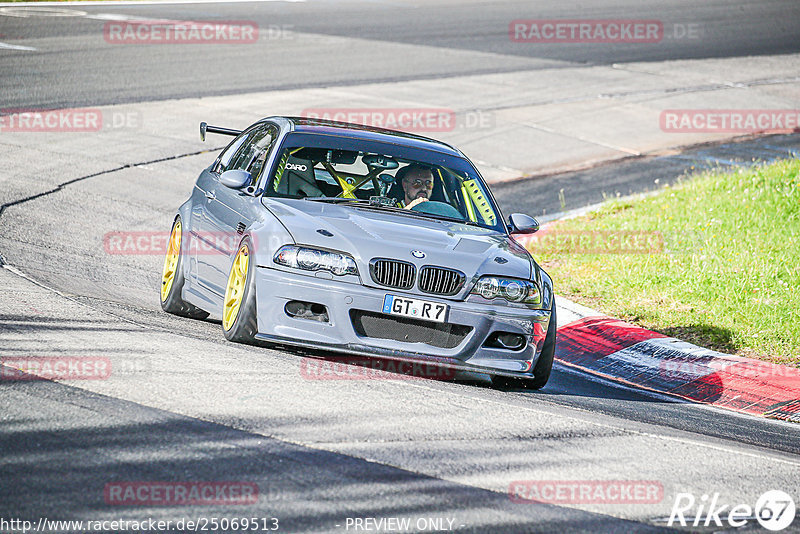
<point>204,193</point>
<point>227,212</point>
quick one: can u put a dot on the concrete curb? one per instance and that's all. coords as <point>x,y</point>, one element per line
<point>618,351</point>
<point>594,343</point>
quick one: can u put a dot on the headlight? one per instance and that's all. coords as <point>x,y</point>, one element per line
<point>510,289</point>
<point>312,259</point>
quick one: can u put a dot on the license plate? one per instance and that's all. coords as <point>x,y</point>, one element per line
<point>418,309</point>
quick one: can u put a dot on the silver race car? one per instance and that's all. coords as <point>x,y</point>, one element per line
<point>360,240</point>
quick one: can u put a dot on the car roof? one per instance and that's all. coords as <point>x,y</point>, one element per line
<point>368,133</point>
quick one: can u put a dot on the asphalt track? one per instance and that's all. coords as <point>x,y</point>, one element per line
<point>364,41</point>
<point>191,406</point>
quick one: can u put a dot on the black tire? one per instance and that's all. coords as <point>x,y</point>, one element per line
<point>245,326</point>
<point>174,303</point>
<point>544,365</point>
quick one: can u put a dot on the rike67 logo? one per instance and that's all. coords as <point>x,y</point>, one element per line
<point>774,510</point>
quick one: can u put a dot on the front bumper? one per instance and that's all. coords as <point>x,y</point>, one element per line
<point>275,288</point>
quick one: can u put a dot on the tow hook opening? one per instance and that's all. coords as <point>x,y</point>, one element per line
<point>505,341</point>
<point>307,310</point>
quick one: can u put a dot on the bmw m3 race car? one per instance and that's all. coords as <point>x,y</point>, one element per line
<point>364,241</point>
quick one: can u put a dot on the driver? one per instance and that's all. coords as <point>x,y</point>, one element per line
<point>417,183</point>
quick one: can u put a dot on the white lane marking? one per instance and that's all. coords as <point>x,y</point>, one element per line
<point>16,47</point>
<point>109,16</point>
<point>141,3</point>
<point>25,11</point>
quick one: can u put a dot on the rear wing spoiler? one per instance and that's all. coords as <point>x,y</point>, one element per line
<point>204,127</point>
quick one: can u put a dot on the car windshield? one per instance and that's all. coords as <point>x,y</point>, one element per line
<point>382,176</point>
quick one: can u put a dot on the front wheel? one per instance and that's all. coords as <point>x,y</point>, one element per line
<point>239,322</point>
<point>172,279</point>
<point>544,365</point>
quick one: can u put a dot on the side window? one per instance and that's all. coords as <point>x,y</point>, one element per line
<point>227,155</point>
<point>250,151</point>
<point>260,146</point>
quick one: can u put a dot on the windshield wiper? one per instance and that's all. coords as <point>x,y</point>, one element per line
<point>336,200</point>
<point>422,214</point>
<point>395,209</point>
<point>450,219</point>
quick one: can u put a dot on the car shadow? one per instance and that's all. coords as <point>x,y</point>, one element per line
<point>340,366</point>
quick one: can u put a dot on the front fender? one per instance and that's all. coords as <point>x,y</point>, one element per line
<point>268,235</point>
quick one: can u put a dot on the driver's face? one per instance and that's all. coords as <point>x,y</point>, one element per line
<point>418,185</point>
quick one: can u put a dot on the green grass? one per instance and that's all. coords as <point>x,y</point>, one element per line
<point>727,276</point>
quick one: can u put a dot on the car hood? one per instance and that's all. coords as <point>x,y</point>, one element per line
<point>368,233</point>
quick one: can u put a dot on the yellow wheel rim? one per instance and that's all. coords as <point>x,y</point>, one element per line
<point>235,289</point>
<point>171,261</point>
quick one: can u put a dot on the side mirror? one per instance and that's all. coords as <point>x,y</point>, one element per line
<point>235,178</point>
<point>522,224</point>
